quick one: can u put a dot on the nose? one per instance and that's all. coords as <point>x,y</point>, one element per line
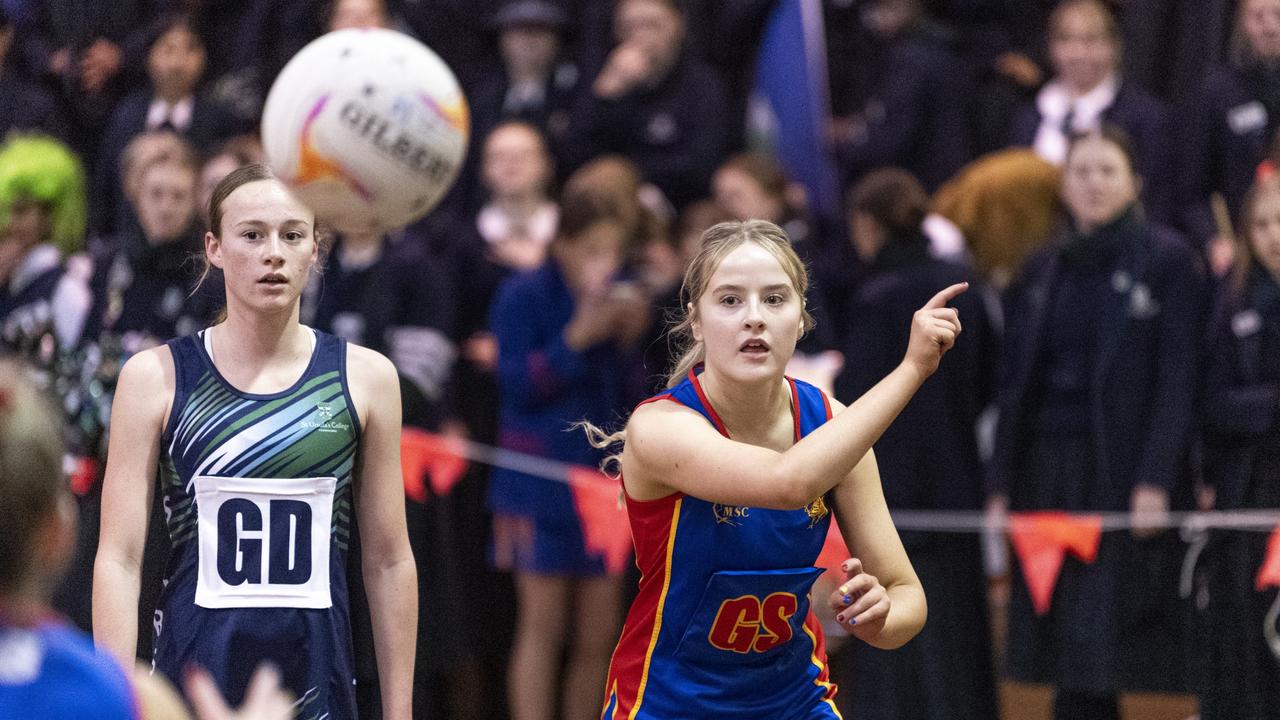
<point>274,255</point>
<point>754,319</point>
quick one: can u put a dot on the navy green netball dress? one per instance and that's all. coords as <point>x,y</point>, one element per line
<point>258,500</point>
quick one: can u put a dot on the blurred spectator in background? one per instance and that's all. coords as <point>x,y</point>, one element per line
<point>559,330</point>
<point>1227,125</point>
<point>175,65</point>
<point>144,280</point>
<point>941,673</point>
<point>237,152</point>
<point>519,220</point>
<point>656,103</point>
<point>43,304</point>
<point>390,297</point>
<point>1096,410</point>
<point>81,48</point>
<point>1242,465</point>
<point>1006,204</point>
<point>27,105</point>
<point>536,85</point>
<point>754,186</point>
<point>1087,90</point>
<point>905,102</point>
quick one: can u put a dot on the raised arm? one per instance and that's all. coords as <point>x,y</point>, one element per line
<point>390,576</point>
<point>671,448</point>
<point>142,400</point>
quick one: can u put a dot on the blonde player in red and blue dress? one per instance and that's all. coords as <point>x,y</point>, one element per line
<point>731,478</point>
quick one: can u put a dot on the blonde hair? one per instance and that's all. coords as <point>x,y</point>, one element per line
<point>717,242</point>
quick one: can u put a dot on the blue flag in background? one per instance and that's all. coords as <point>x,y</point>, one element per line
<point>790,105</point>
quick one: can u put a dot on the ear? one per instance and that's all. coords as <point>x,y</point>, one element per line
<point>213,249</point>
<point>695,327</point>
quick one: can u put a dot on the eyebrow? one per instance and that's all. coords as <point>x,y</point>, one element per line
<point>738,288</point>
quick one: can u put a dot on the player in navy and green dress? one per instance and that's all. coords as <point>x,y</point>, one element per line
<point>267,437</point>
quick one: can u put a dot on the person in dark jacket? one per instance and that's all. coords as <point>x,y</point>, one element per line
<point>1242,465</point>
<point>1096,413</point>
<point>1088,89</point>
<point>1227,125</point>
<point>27,106</point>
<point>906,106</point>
<point>559,329</point>
<point>175,64</point>
<point>928,460</point>
<point>654,102</point>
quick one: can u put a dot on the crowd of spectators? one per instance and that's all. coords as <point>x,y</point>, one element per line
<point>1103,173</point>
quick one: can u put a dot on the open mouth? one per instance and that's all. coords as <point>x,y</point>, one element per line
<point>754,346</point>
<point>274,279</point>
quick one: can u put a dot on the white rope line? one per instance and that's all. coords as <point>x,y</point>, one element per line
<point>946,521</point>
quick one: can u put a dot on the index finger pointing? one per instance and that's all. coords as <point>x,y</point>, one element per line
<point>941,299</point>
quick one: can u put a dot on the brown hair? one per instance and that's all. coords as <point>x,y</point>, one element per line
<point>1109,132</point>
<point>145,151</point>
<point>717,242</point>
<point>31,476</point>
<point>620,182</point>
<point>762,168</point>
<point>1245,261</point>
<point>894,198</point>
<point>243,176</point>
<point>1109,21</point>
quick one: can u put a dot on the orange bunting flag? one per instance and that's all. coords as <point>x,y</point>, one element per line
<point>1042,540</point>
<point>834,552</point>
<point>83,475</point>
<point>605,529</point>
<point>1269,573</point>
<point>426,455</point>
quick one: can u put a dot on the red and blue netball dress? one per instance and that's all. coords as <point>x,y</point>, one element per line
<point>722,625</point>
<point>51,671</point>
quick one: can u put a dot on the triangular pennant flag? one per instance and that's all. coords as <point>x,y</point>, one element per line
<point>834,552</point>
<point>427,455</point>
<point>605,529</point>
<point>1042,539</point>
<point>1269,573</point>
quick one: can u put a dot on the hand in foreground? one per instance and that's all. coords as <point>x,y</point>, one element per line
<point>265,699</point>
<point>861,603</point>
<point>934,330</point>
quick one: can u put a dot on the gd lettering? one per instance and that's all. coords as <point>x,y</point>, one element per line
<point>287,538</point>
<point>745,624</point>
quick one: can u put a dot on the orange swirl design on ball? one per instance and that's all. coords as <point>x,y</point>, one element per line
<point>312,166</point>
<point>455,113</point>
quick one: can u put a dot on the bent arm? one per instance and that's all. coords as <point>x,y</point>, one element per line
<point>672,448</point>
<point>390,575</point>
<point>867,527</point>
<point>137,417</point>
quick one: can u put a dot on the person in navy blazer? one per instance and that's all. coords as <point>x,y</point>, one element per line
<point>1096,413</point>
<point>1227,127</point>
<point>928,460</point>
<point>1088,89</point>
<point>1242,465</point>
<point>175,64</point>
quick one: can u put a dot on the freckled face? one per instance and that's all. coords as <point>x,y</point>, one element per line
<point>266,248</point>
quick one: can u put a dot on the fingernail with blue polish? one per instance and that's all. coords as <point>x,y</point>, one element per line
<point>848,599</point>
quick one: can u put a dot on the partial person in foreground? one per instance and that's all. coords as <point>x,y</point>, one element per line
<point>730,478</point>
<point>51,670</point>
<point>266,434</point>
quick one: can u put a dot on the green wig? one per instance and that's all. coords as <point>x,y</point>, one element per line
<point>38,168</point>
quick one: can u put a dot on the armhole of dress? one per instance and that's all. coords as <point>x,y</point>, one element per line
<point>345,379</point>
<point>180,392</point>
